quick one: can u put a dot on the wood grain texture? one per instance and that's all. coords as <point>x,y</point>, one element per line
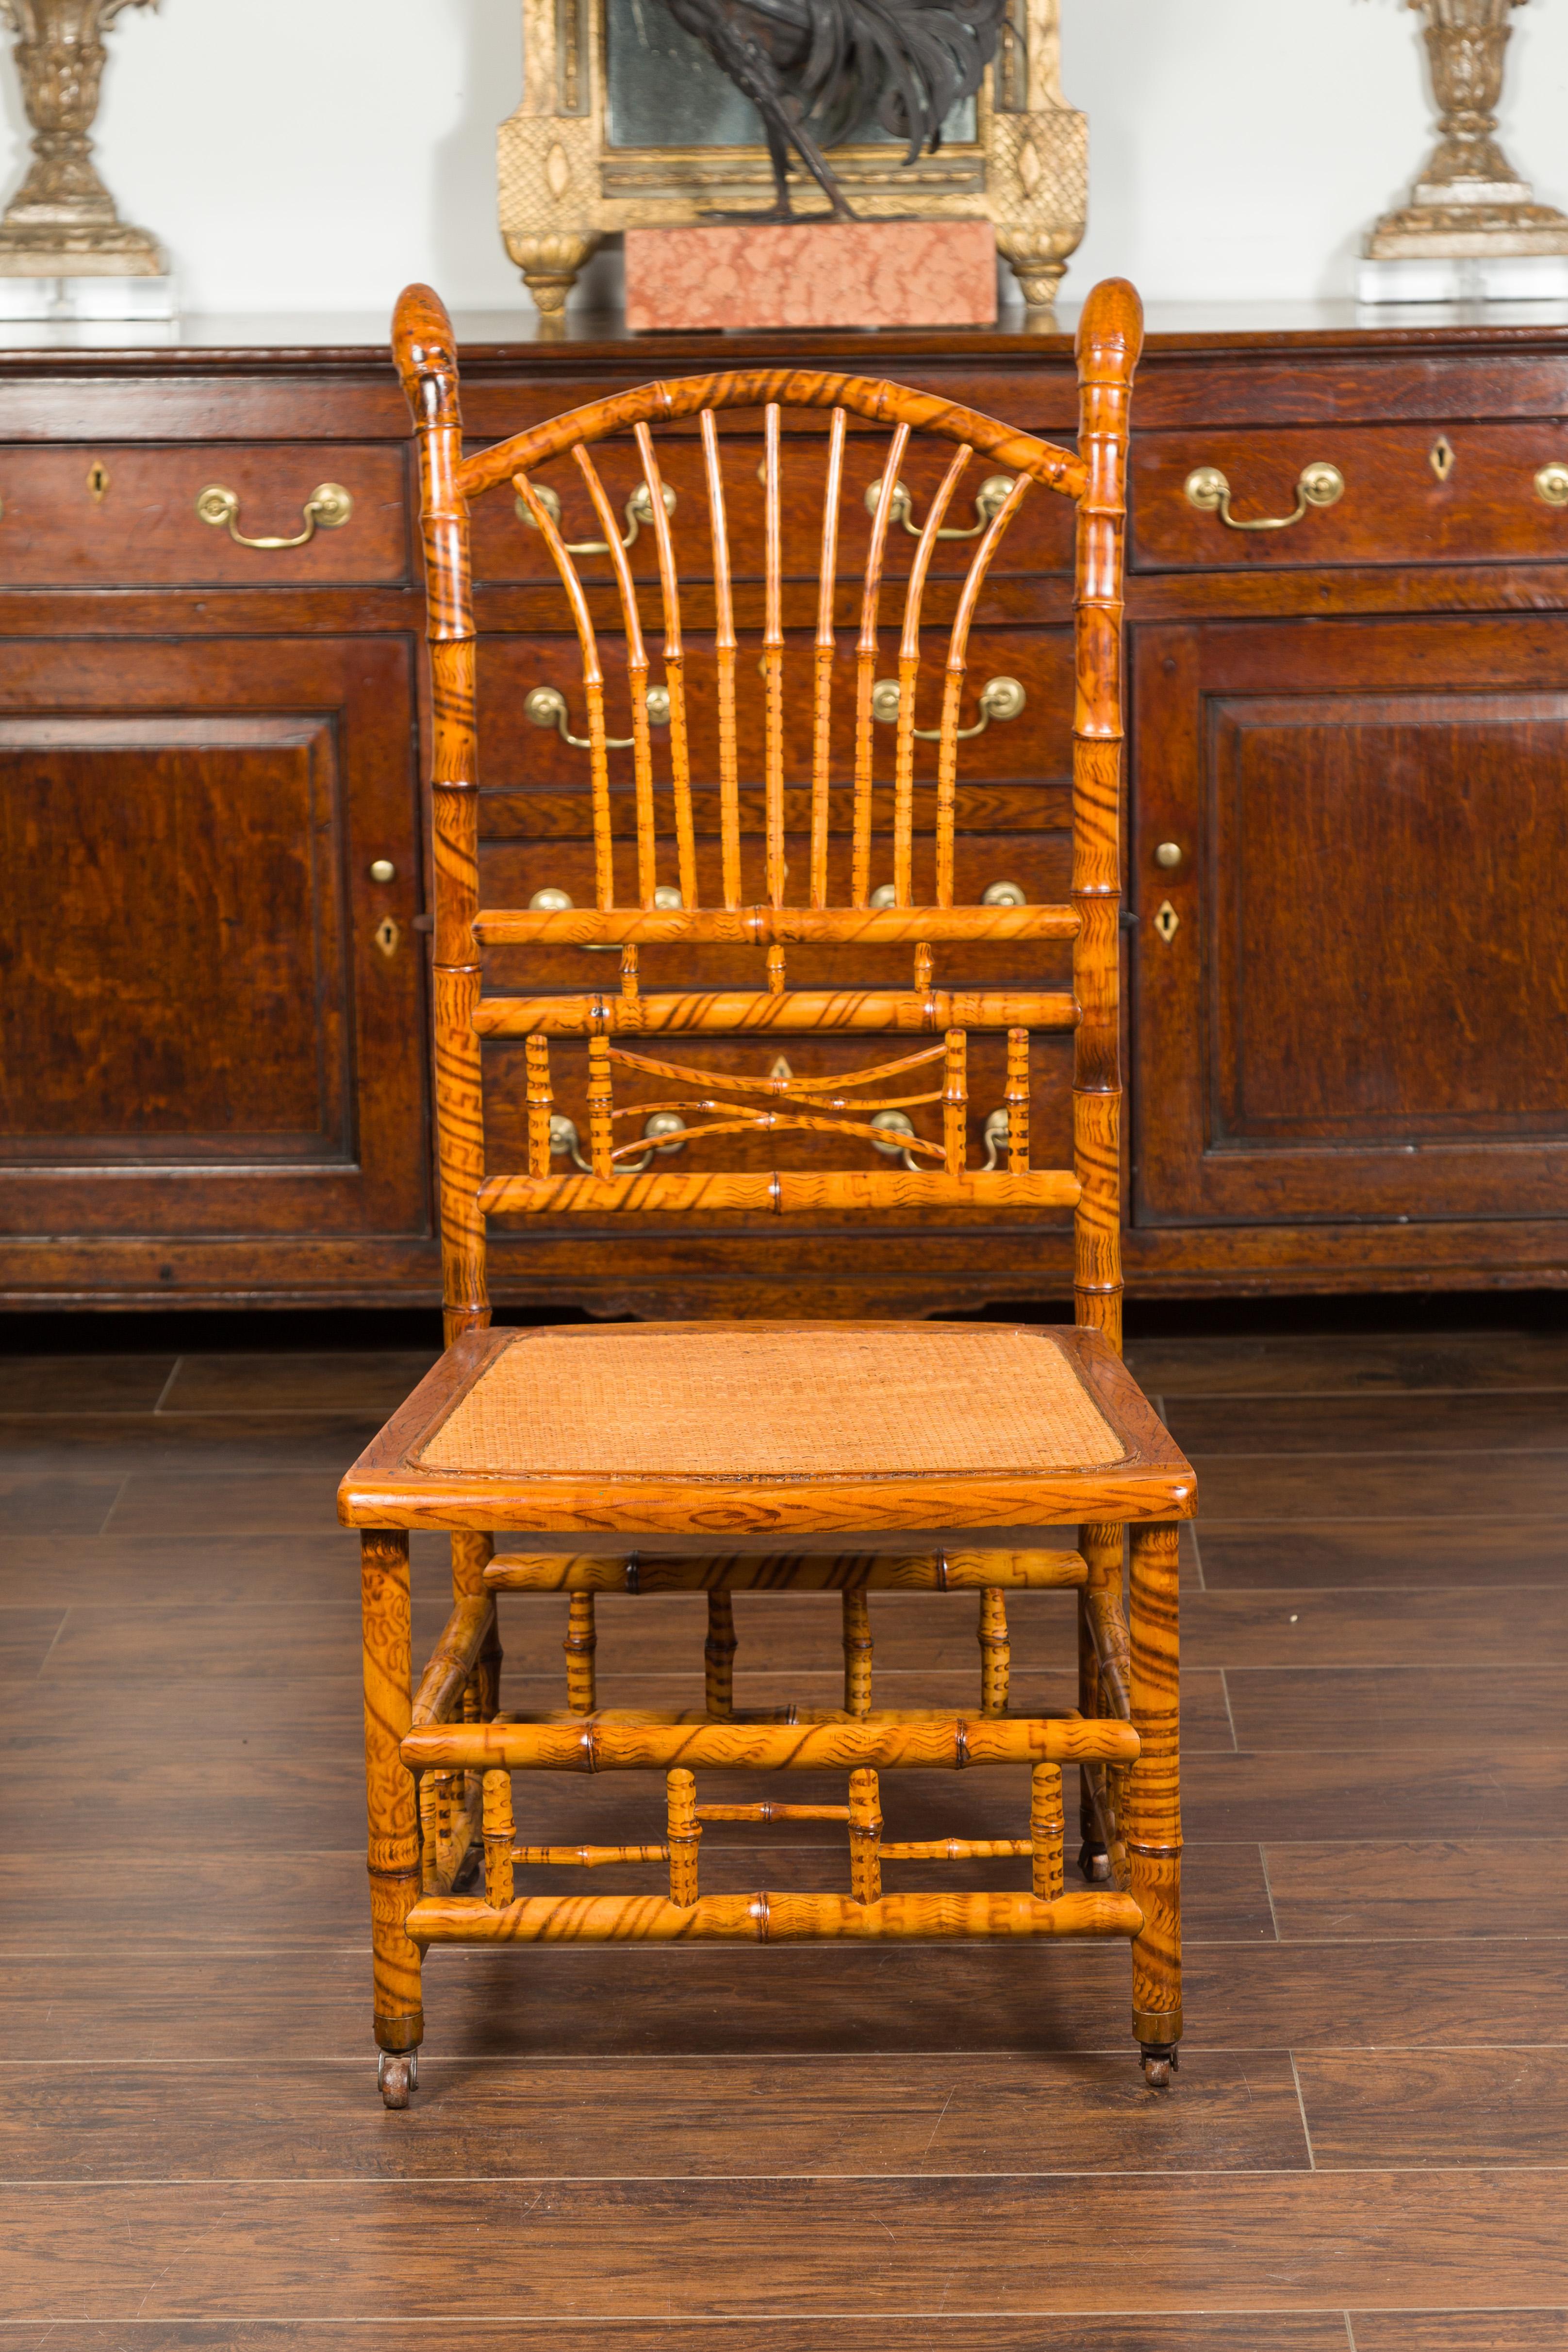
<point>1079,2333</point>
<point>606,2249</point>
<point>676,2122</point>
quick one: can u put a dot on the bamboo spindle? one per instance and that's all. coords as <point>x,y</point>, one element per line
<point>908,683</point>
<point>866,1838</point>
<point>952,687</point>
<point>592,687</point>
<point>823,707</point>
<point>499,1832</point>
<point>724,651</point>
<point>443,1788</point>
<point>425,351</point>
<point>636,679</point>
<point>643,1740</point>
<point>1016,1100</point>
<point>996,1653</point>
<point>956,1103</point>
<point>471,1556</point>
<point>1046,1830</point>
<point>1109,334</point>
<point>674,671</point>
<point>773,661</point>
<point>600,1108</point>
<point>541,1103</point>
<point>770,1810</point>
<point>684,1834</point>
<point>954,1849</point>
<point>865,669</point>
<point>581,1641</point>
<point>586,1857</point>
<point>765,1918</point>
<point>472,1782</point>
<point>427,1832</point>
<point>719,1656</point>
<point>857,1654</point>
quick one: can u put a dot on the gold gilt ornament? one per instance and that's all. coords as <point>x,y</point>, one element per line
<point>62,220</point>
<point>1469,202</point>
<point>571,173</point>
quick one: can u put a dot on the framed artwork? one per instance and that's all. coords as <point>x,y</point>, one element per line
<point>627,122</point>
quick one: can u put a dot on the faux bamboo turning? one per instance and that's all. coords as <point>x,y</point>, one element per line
<point>440,1759</point>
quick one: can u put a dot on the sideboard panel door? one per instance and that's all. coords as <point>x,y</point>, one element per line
<point>200,1033</point>
<point>1359,1012</point>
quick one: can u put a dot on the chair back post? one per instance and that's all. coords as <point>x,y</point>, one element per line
<point>1110,336</point>
<point>425,351</point>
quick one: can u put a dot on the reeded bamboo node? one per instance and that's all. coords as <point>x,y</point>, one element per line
<point>778,1402</point>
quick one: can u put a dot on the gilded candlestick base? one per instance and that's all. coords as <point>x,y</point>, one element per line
<point>1470,202</point>
<point>62,220</point>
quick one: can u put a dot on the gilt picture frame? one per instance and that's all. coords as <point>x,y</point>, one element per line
<point>567,181</point>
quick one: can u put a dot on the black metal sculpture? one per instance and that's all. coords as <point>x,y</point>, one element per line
<point>814,69</point>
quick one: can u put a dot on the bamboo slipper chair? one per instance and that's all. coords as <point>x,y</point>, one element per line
<point>725,1457</point>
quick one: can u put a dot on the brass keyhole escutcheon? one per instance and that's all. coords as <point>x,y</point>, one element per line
<point>1167,922</point>
<point>386,936</point>
<point>96,481</point>
<point>1441,458</point>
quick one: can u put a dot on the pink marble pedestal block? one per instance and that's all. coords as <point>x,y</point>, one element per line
<point>901,273</point>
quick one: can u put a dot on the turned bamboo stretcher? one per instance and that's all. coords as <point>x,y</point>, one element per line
<point>728,1458</point>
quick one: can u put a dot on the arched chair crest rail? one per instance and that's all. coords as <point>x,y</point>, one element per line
<point>731,1457</point>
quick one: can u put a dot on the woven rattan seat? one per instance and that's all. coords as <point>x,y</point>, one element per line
<point>664,1468</point>
<point>776,1402</point>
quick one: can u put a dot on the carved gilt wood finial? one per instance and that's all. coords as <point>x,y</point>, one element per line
<point>62,221</point>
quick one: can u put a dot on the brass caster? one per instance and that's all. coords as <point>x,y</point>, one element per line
<point>1094,1865</point>
<point>397,2073</point>
<point>1159,2064</point>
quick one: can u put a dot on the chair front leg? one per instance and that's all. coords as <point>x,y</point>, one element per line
<point>394,1848</point>
<point>1154,1801</point>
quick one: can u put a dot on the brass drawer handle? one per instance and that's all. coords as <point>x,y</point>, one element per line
<point>995,893</point>
<point>896,1125</point>
<point>1001,699</point>
<point>1319,485</point>
<point>329,505</point>
<point>989,500</point>
<point>546,707</point>
<point>563,1137</point>
<point>550,901</point>
<point>639,510</point>
<point>1552,484</point>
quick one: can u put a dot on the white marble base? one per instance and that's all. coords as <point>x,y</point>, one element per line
<point>65,298</point>
<point>1507,278</point>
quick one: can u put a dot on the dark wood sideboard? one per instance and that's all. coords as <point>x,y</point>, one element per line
<point>1347,1051</point>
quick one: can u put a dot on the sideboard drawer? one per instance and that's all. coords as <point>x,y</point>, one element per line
<point>1034,743</point>
<point>1040,865</point>
<point>1413,494</point>
<point>507,548</point>
<point>97,516</point>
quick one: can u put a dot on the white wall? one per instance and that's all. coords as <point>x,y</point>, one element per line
<point>314,154</point>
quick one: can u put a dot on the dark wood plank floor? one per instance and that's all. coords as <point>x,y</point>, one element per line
<point>1366,2148</point>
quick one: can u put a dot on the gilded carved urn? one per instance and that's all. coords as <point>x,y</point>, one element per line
<point>62,220</point>
<point>1469,202</point>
